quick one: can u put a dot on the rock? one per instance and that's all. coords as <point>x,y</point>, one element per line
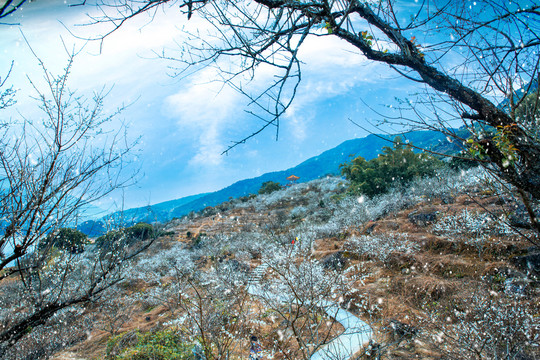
<point>422,219</point>
<point>391,225</point>
<point>447,199</point>
<point>335,261</point>
<point>516,286</point>
<point>529,262</point>
<point>368,229</point>
<point>520,218</point>
<point>400,331</point>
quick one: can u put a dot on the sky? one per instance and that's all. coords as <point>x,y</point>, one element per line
<point>184,124</point>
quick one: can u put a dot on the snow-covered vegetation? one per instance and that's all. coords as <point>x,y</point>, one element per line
<point>318,246</point>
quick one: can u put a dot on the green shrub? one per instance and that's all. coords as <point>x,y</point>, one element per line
<point>159,345</point>
<point>65,239</point>
<point>269,187</point>
<point>462,161</point>
<point>140,231</point>
<point>395,165</point>
<point>108,240</point>
<point>127,236</point>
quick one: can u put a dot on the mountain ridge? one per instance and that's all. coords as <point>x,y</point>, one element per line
<point>326,163</point>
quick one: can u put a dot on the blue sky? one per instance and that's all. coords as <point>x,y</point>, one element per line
<point>186,123</point>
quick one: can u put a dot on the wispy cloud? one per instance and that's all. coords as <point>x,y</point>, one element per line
<point>205,108</point>
<point>331,69</point>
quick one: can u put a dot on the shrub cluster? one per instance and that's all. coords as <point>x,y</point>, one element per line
<point>66,239</point>
<point>395,165</point>
<point>380,246</point>
<point>127,236</point>
<point>160,345</point>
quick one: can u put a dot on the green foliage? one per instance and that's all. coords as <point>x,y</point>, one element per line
<point>527,115</point>
<point>160,345</point>
<point>140,231</point>
<point>395,165</point>
<point>129,235</point>
<point>367,37</point>
<point>65,239</point>
<point>269,187</point>
<point>328,27</point>
<point>503,138</point>
<point>462,161</point>
<point>109,239</point>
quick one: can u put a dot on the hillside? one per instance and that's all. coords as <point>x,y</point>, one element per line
<point>431,267</point>
<point>326,163</point>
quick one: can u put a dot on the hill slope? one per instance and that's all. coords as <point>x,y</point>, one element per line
<point>326,163</point>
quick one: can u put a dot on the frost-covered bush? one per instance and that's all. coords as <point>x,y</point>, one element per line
<point>298,212</point>
<point>489,327</point>
<point>310,192</point>
<point>468,224</point>
<point>155,265</point>
<point>356,211</point>
<point>380,246</point>
<point>263,202</point>
<point>472,228</point>
<point>331,184</point>
<point>448,183</point>
<point>243,245</point>
<point>445,183</point>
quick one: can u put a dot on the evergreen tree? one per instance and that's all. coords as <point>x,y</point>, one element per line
<point>395,165</point>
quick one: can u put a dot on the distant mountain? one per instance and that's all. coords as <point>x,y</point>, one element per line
<point>151,213</point>
<point>519,93</point>
<point>324,164</point>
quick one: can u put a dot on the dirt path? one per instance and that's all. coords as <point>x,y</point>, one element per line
<point>356,334</point>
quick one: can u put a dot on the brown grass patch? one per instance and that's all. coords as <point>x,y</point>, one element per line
<point>422,289</point>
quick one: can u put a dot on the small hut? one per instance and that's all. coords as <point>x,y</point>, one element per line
<point>292,180</point>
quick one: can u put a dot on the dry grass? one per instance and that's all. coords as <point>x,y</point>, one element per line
<point>405,287</point>
<point>422,289</point>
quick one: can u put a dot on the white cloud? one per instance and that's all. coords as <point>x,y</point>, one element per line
<point>331,68</point>
<point>206,108</point>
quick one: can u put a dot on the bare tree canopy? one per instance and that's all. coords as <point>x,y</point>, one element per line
<point>50,170</point>
<point>473,61</point>
<point>9,7</point>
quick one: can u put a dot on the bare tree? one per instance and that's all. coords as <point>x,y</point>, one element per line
<point>7,96</point>
<point>303,297</point>
<point>215,310</point>
<point>9,7</point>
<point>469,59</point>
<point>50,171</point>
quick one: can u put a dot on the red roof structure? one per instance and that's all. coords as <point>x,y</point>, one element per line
<point>293,178</point>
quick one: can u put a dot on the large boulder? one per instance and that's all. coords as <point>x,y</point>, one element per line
<point>422,219</point>
<point>335,261</point>
<point>529,263</point>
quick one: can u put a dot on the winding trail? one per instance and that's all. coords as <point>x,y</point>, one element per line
<point>356,334</point>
